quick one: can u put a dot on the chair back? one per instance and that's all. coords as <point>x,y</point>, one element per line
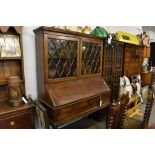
<point>118,110</point>
<point>117,113</point>
<point>148,108</point>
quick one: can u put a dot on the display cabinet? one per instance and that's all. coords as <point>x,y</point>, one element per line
<point>133,60</point>
<point>11,64</point>
<point>121,59</point>
<point>69,69</point>
<point>113,66</point>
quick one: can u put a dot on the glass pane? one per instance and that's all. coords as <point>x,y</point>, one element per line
<point>119,63</point>
<point>118,70</point>
<point>108,63</point>
<point>62,58</point>
<point>91,58</point>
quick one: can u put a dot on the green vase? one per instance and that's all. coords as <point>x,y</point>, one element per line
<point>100,32</point>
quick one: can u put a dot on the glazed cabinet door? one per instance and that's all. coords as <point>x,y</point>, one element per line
<point>113,66</point>
<point>118,68</point>
<point>108,64</point>
<point>91,57</point>
<point>61,57</point>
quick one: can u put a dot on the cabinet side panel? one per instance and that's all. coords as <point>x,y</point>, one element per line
<point>40,64</point>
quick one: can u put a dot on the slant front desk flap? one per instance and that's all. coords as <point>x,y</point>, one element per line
<point>69,101</point>
<point>70,91</point>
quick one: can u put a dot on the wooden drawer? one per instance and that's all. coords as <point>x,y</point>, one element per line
<point>19,121</point>
<point>99,101</point>
<point>72,110</point>
<point>94,102</point>
<point>72,107</point>
<point>82,107</point>
<point>106,98</point>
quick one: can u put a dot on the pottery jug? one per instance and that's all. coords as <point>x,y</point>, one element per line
<point>15,90</point>
<point>86,30</point>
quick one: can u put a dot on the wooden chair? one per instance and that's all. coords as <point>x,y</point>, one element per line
<point>117,113</point>
<point>117,117</point>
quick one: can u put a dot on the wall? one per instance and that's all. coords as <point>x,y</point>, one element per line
<point>29,60</point>
<point>129,29</point>
<point>30,54</point>
<point>150,31</point>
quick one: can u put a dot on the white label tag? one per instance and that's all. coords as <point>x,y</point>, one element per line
<point>109,41</point>
<point>24,100</point>
<point>100,102</point>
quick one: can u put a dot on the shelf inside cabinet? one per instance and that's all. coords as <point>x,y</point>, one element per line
<point>10,58</point>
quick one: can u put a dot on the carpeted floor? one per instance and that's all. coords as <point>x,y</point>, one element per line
<point>90,122</point>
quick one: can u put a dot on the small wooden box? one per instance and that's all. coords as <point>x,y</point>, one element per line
<point>146,78</point>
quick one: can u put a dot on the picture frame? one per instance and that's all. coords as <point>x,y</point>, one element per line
<point>40,114</point>
<point>9,46</point>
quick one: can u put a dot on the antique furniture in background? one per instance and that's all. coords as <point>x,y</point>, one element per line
<point>69,69</point>
<point>133,60</point>
<point>146,73</point>
<point>11,64</point>
<point>153,79</point>
<point>117,117</point>
<point>113,66</point>
<point>117,113</point>
<point>147,51</point>
<point>146,77</point>
<point>121,59</point>
<point>152,54</point>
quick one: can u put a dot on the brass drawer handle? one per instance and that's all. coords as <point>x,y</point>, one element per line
<point>12,123</point>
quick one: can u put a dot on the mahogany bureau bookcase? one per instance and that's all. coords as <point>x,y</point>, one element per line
<point>18,117</point>
<point>69,74</point>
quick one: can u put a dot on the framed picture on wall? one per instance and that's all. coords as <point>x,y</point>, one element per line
<point>10,46</point>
